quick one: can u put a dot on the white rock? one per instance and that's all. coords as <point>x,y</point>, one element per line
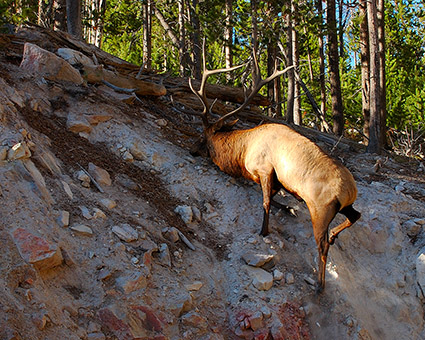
<point>67,189</point>
<point>82,176</point>
<point>261,279</point>
<point>255,259</point>
<point>125,232</point>
<point>19,151</point>
<point>75,57</point>
<point>185,212</point>
<point>82,229</point>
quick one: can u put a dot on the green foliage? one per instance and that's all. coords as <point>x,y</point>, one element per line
<point>405,45</point>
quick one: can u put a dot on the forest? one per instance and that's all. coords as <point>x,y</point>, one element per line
<point>358,66</point>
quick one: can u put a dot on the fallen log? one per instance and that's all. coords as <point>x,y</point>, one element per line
<point>98,75</point>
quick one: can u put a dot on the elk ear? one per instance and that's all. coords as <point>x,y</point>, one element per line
<point>222,126</point>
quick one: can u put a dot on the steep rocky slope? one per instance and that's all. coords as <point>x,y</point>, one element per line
<point>166,246</point>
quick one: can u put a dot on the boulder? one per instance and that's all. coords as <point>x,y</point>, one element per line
<point>36,250</point>
<point>49,65</point>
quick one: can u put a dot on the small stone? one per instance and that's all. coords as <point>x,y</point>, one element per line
<point>261,279</point>
<point>108,203</point>
<point>127,156</point>
<point>132,282</point>
<point>185,213</point>
<point>82,176</point>
<point>412,228</point>
<point>67,189</point>
<point>252,240</point>
<point>289,278</point>
<point>78,123</point>
<point>19,151</point>
<point>63,218</point>
<point>256,320</point>
<point>277,275</point>
<point>195,286</point>
<point>125,232</point>
<point>85,212</point>
<point>256,260</point>
<point>82,229</point>
<point>172,234</point>
<point>193,319</point>
<point>97,213</point>
<point>161,122</point>
<point>420,221</point>
<point>164,254</point>
<point>100,175</point>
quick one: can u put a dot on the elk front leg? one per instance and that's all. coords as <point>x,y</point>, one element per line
<point>266,186</point>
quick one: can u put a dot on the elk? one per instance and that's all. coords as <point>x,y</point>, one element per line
<point>276,157</point>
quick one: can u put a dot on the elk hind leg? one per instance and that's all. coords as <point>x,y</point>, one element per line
<point>352,216</point>
<point>321,220</point>
<point>266,182</point>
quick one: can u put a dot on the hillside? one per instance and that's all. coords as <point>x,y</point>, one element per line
<point>112,230</point>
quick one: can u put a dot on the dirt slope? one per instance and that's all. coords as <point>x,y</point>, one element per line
<point>60,283</point>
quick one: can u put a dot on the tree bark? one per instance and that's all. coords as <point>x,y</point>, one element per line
<point>321,64</point>
<point>182,37</point>
<point>296,61</point>
<point>168,30</point>
<point>196,40</point>
<point>147,34</point>
<point>74,23</point>
<point>291,73</point>
<point>59,19</point>
<point>365,59</point>
<point>334,76</point>
<point>228,38</point>
<point>374,145</point>
<point>382,78</point>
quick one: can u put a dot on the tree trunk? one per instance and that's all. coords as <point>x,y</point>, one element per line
<point>365,59</point>
<point>321,64</point>
<point>296,61</point>
<point>182,38</point>
<point>335,81</point>
<point>228,38</point>
<point>196,40</point>
<point>74,23</point>
<point>382,78</point>
<point>168,30</point>
<point>374,145</point>
<point>291,73</point>
<point>59,19</point>
<point>341,28</point>
<point>147,34</point>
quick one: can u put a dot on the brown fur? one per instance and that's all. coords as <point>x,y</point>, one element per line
<point>274,151</point>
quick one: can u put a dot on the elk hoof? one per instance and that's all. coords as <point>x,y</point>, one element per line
<point>332,239</point>
<point>292,212</point>
<point>319,289</point>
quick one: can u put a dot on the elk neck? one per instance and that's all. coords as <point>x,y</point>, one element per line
<point>227,151</point>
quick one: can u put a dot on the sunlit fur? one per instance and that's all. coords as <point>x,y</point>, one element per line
<point>276,151</point>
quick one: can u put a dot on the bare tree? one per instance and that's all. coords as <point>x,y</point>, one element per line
<point>59,19</point>
<point>382,78</point>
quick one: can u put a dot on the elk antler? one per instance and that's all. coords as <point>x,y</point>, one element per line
<point>201,92</point>
<point>257,84</point>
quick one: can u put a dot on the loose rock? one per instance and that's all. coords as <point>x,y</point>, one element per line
<point>82,229</point>
<point>125,232</point>
<point>261,279</point>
